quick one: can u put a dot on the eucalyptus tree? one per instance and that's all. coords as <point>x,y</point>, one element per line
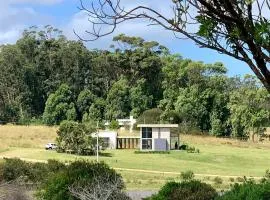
<point>237,28</point>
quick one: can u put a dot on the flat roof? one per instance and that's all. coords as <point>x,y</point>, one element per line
<point>158,125</point>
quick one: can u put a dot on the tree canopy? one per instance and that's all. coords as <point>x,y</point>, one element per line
<point>50,79</point>
<point>237,28</point>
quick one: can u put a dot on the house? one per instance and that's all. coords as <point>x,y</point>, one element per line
<point>156,137</point>
<point>108,138</point>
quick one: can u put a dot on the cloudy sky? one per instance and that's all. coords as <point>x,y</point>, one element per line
<point>16,15</point>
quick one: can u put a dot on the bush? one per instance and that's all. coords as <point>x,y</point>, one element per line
<point>217,180</point>
<point>249,191</point>
<point>231,179</point>
<point>188,175</point>
<point>188,190</point>
<point>183,147</point>
<point>192,150</point>
<point>75,137</point>
<point>14,169</point>
<point>114,125</point>
<point>240,179</point>
<point>81,176</point>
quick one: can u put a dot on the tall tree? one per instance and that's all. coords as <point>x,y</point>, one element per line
<point>250,108</point>
<point>238,28</point>
<point>118,104</point>
<point>60,106</point>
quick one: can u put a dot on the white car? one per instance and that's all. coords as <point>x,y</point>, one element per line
<point>50,146</point>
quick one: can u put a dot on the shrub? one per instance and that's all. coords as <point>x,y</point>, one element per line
<point>188,190</point>
<point>240,179</point>
<point>188,175</point>
<point>249,191</point>
<point>183,147</point>
<point>217,180</point>
<point>231,179</point>
<point>75,137</point>
<point>114,125</point>
<point>81,176</point>
<point>14,169</point>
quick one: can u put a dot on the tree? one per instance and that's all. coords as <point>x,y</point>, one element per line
<point>139,99</point>
<point>118,104</point>
<point>84,102</point>
<point>60,106</point>
<point>249,107</point>
<point>238,28</point>
<point>75,137</point>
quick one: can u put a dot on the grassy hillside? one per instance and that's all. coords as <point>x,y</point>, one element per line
<point>26,136</point>
<point>217,157</point>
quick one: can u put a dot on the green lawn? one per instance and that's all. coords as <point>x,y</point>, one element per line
<point>221,160</point>
<point>221,157</point>
<point>212,159</point>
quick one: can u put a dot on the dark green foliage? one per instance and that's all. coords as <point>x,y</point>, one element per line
<point>114,125</point>
<point>248,191</point>
<point>14,169</point>
<point>217,180</point>
<point>45,76</point>
<point>75,137</point>
<point>152,116</point>
<point>59,106</point>
<point>80,173</point>
<point>117,102</point>
<point>187,190</point>
<point>188,175</point>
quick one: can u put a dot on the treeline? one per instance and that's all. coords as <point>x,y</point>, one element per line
<point>46,77</point>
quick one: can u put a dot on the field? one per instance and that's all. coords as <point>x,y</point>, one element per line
<point>225,158</point>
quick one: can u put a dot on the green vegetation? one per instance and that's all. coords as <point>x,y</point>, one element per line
<point>248,190</point>
<point>187,190</point>
<point>63,80</point>
<point>75,137</point>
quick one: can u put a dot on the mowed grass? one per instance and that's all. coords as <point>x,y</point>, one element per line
<point>217,157</point>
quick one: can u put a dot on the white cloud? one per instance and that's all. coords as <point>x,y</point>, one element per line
<point>15,17</point>
<point>46,2</point>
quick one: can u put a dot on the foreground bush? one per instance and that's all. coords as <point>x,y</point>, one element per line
<point>83,179</point>
<point>248,191</point>
<point>13,169</point>
<point>187,190</point>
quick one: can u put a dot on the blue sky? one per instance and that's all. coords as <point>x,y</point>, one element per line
<point>16,15</point>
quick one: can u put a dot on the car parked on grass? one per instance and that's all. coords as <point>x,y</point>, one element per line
<point>50,146</point>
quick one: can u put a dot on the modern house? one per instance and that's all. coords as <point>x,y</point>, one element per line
<point>108,138</point>
<point>156,137</point>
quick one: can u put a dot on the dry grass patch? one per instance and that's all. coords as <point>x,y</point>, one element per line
<point>210,140</point>
<point>26,136</point>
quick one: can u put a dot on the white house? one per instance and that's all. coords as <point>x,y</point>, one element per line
<point>156,137</point>
<point>109,138</point>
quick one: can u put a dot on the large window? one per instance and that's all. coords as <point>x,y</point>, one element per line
<point>146,138</point>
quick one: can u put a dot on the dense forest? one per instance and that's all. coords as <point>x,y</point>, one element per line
<point>46,78</point>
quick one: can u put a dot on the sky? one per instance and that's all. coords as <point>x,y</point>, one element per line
<point>17,15</point>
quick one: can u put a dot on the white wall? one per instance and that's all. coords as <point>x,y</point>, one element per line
<point>112,135</point>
